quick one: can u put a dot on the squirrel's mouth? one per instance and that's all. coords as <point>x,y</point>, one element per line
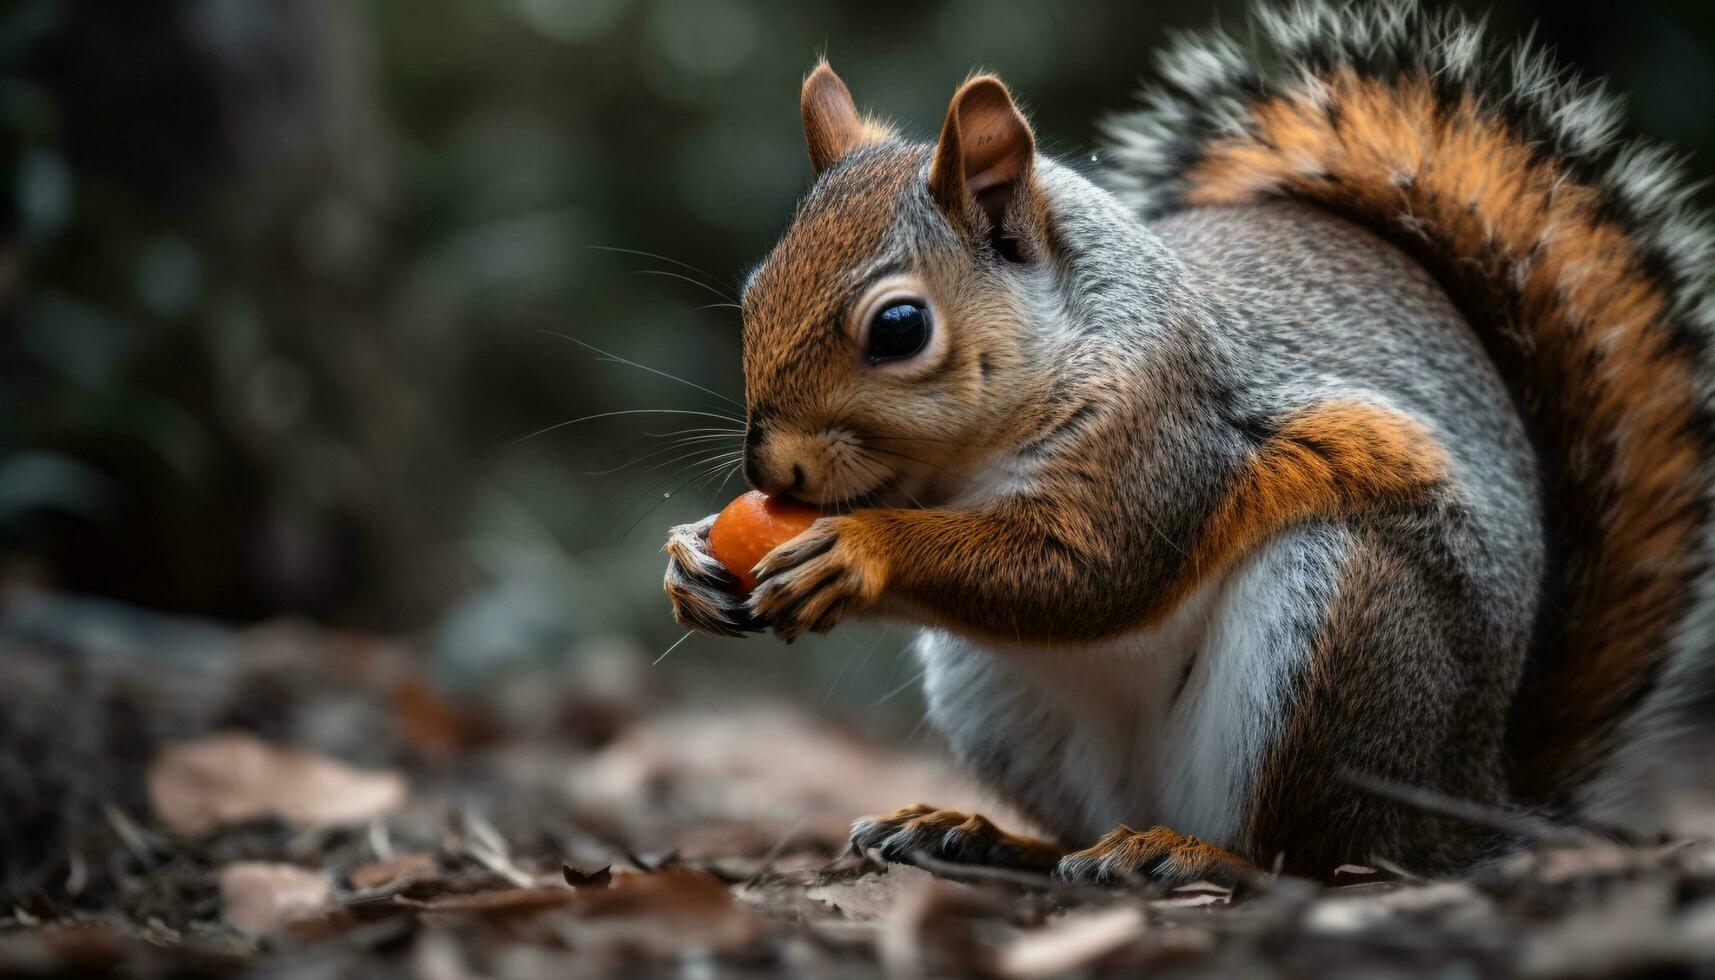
<point>888,493</point>
<point>875,496</point>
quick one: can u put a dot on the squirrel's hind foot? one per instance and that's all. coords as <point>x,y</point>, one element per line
<point>1159,855</point>
<point>950,836</point>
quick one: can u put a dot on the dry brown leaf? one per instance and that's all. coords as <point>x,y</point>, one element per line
<point>872,896</point>
<point>1080,939</point>
<point>1192,900</point>
<point>930,931</point>
<point>260,897</point>
<point>671,910</point>
<point>1626,933</point>
<point>1350,913</point>
<point>815,777</point>
<point>411,866</point>
<point>1562,865</point>
<point>505,902</point>
<point>1358,875</point>
<point>433,725</point>
<point>592,879</point>
<point>231,777</point>
<point>94,945</point>
<point>661,913</point>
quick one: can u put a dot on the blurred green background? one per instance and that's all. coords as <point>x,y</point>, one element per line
<point>275,276</point>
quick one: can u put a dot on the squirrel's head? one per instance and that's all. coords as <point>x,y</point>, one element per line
<point>884,334</point>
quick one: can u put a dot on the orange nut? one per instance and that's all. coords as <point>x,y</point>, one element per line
<point>752,526</point>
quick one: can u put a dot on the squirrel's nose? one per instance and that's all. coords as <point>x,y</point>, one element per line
<point>781,462</point>
<point>769,471</point>
<point>774,480</point>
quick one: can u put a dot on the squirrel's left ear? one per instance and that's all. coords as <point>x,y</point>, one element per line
<point>832,125</point>
<point>984,157</point>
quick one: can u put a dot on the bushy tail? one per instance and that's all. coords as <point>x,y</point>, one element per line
<point>1579,258</point>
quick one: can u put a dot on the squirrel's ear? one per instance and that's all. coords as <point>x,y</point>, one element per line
<point>984,157</point>
<point>832,126</point>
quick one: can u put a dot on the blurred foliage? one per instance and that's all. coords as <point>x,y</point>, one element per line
<point>279,279</point>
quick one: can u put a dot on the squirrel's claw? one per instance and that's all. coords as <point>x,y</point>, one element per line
<point>947,835</point>
<point>700,587</point>
<point>813,582</point>
<point>1158,855</point>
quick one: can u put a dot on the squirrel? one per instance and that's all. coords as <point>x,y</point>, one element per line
<point>1340,441</point>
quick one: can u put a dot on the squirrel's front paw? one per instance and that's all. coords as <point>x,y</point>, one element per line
<point>702,589</point>
<point>815,580</point>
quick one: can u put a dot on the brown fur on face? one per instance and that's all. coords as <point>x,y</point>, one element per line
<point>824,424</point>
<point>805,380</point>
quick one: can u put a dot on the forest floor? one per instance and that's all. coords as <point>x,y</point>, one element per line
<point>185,800</point>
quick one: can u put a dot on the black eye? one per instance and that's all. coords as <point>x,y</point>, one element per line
<point>899,330</point>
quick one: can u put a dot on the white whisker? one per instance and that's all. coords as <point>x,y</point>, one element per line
<point>900,485</point>
<point>656,255</point>
<point>674,446</point>
<point>848,662</point>
<point>670,649</point>
<point>641,367</point>
<point>663,499</point>
<point>895,452</point>
<point>680,432</point>
<point>730,473</point>
<point>629,411</point>
<point>890,695</point>
<point>674,275</point>
<point>697,457</point>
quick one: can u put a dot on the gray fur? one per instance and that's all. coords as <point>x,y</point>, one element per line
<point>1278,307</point>
<point>1206,81</point>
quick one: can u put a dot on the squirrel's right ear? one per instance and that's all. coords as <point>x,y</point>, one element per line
<point>832,125</point>
<point>984,157</point>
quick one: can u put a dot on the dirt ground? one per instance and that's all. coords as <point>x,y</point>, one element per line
<point>178,799</point>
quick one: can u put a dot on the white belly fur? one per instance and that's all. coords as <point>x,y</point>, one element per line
<point>1086,738</point>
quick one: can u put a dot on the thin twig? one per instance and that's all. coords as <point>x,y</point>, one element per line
<point>1531,827</point>
<point>773,855</point>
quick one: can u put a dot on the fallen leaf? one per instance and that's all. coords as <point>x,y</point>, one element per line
<point>593,879</point>
<point>1079,940</point>
<point>395,870</point>
<point>1357,874</point>
<point>671,910</point>
<point>231,777</point>
<point>1561,865</point>
<point>91,945</point>
<point>930,931</point>
<point>1625,933</point>
<point>874,895</point>
<point>260,897</point>
<point>1348,913</point>
<point>504,902</point>
<point>814,778</point>
<point>433,725</point>
<point>1191,901</point>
